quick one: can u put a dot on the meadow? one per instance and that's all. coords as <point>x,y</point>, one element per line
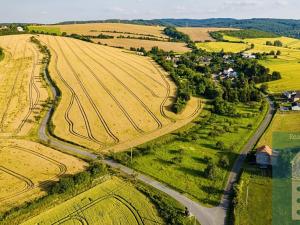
<point>200,34</point>
<point>45,29</point>
<point>180,159</point>
<point>115,201</point>
<point>254,198</point>
<point>127,43</point>
<point>283,122</point>
<point>225,46</point>
<point>128,87</point>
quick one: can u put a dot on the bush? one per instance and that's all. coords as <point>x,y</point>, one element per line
<point>220,145</point>
<point>210,171</point>
<point>224,162</point>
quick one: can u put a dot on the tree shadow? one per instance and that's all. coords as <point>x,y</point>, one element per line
<point>193,172</point>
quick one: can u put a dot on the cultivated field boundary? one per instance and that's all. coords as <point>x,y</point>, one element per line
<point>206,216</point>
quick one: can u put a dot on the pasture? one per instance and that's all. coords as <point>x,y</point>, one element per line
<point>112,100</point>
<point>254,198</point>
<point>45,29</point>
<point>283,122</point>
<point>180,159</point>
<point>127,43</point>
<point>22,178</point>
<point>23,92</point>
<point>225,46</point>
<point>112,202</point>
<point>200,33</point>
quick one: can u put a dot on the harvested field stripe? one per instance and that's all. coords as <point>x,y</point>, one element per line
<point>130,66</point>
<point>133,94</point>
<point>12,91</point>
<point>102,120</point>
<point>74,96</point>
<point>107,91</point>
<point>32,86</point>
<point>28,182</point>
<point>125,71</point>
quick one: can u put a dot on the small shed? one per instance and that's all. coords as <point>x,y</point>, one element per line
<point>265,157</point>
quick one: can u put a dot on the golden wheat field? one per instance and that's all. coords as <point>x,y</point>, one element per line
<point>127,43</point>
<point>201,33</point>
<point>112,99</point>
<point>22,91</point>
<point>26,168</point>
<point>113,28</point>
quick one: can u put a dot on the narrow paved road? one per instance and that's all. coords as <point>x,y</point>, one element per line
<point>206,216</point>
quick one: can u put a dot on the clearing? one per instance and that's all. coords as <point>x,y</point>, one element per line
<point>115,201</point>
<point>112,99</point>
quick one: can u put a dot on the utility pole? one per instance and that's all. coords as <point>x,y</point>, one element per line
<point>247,195</point>
<point>131,155</point>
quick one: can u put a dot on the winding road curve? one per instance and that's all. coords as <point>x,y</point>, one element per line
<point>206,216</point>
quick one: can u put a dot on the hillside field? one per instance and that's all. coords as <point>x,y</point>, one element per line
<point>127,43</point>
<point>100,84</point>
<point>181,158</point>
<point>200,33</point>
<point>22,178</point>
<point>23,93</point>
<point>225,46</point>
<point>109,203</point>
<point>283,122</point>
<point>287,63</point>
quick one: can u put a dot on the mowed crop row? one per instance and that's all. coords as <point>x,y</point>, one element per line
<point>22,91</point>
<point>25,167</point>
<point>127,43</point>
<point>111,99</point>
<point>112,202</point>
<point>22,178</point>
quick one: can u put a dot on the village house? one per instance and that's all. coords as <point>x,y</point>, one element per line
<point>265,157</point>
<point>296,97</point>
<point>230,73</point>
<point>248,56</point>
<point>295,106</point>
<point>20,29</point>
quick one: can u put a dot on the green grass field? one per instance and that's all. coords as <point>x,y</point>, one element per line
<point>225,46</point>
<point>281,122</point>
<point>288,63</point>
<point>254,208</point>
<point>48,29</point>
<point>181,162</point>
<point>113,202</point>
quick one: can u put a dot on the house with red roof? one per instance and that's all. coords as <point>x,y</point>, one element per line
<point>265,156</point>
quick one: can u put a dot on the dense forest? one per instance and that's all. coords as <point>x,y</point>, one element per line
<point>285,27</point>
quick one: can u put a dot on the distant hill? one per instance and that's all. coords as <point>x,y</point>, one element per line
<point>284,27</point>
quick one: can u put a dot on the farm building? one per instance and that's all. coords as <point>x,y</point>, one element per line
<point>295,106</point>
<point>293,96</point>
<point>248,56</point>
<point>20,29</point>
<point>265,157</point>
<point>296,97</point>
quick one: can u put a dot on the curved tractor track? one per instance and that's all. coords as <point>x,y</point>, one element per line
<point>99,115</point>
<point>11,94</point>
<point>126,114</point>
<point>29,183</point>
<point>143,104</point>
<point>32,86</point>
<point>81,108</point>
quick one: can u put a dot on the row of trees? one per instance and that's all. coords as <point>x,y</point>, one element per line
<point>276,43</point>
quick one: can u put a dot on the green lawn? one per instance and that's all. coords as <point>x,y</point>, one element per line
<point>180,159</point>
<point>50,30</point>
<point>256,209</point>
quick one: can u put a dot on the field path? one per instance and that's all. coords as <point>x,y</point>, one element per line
<point>206,216</point>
